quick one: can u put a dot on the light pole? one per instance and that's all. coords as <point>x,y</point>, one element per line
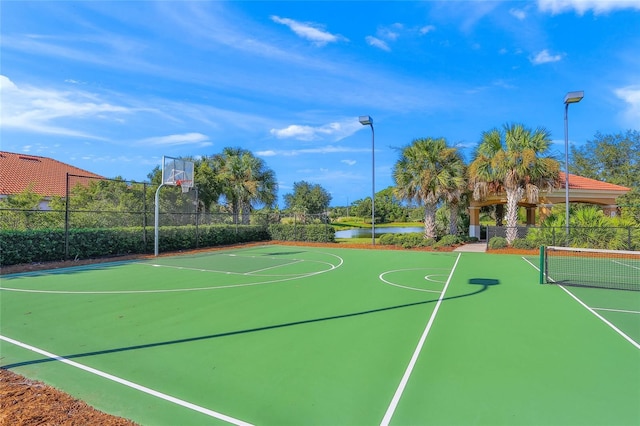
<point>365,120</point>
<point>570,98</point>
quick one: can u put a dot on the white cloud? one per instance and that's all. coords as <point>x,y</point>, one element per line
<point>349,162</point>
<point>518,14</point>
<point>376,42</point>
<point>544,57</point>
<point>308,31</point>
<point>303,133</point>
<point>631,95</point>
<point>267,153</point>
<point>427,29</point>
<point>334,131</point>
<point>390,33</point>
<point>583,6</point>
<point>6,84</point>
<point>179,139</point>
<point>38,110</point>
<point>327,149</point>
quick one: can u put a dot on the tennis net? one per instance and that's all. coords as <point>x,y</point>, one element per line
<point>615,269</point>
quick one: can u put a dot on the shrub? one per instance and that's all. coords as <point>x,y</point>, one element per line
<point>447,241</point>
<point>299,232</point>
<point>522,243</point>
<point>408,240</point>
<point>413,239</point>
<point>387,239</point>
<point>497,243</point>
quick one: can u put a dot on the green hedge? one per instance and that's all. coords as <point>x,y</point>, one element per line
<point>318,233</point>
<point>49,245</point>
<point>406,240</point>
<point>417,239</point>
<point>498,243</point>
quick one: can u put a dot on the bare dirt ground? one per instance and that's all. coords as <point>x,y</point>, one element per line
<point>27,402</point>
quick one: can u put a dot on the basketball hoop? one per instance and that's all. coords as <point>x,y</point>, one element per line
<point>175,172</point>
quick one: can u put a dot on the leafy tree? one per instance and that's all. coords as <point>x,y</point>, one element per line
<point>22,211</point>
<point>307,198</point>
<point>245,180</point>
<point>104,203</point>
<point>388,206</point>
<point>207,180</point>
<point>427,172</point>
<point>614,159</point>
<point>27,199</point>
<point>362,207</point>
<point>514,159</point>
<point>609,158</point>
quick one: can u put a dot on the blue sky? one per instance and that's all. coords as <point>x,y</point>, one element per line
<point>111,87</point>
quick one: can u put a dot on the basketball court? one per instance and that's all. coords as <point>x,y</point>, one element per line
<point>279,334</point>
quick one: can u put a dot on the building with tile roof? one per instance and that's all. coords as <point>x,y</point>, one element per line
<point>42,175</point>
<point>581,190</point>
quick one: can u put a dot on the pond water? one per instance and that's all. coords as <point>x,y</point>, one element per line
<point>366,232</point>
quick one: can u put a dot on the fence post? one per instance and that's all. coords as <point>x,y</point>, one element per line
<point>144,215</point>
<point>197,205</point>
<point>66,220</point>
<point>542,266</point>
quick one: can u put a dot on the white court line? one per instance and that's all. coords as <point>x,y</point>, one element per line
<point>624,264</point>
<point>616,329</point>
<point>276,266</point>
<point>407,374</point>
<point>283,278</point>
<point>381,277</point>
<point>624,311</point>
<point>135,386</point>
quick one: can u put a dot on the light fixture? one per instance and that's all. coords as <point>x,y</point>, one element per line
<point>570,98</point>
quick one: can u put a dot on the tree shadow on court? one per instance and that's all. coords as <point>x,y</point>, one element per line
<point>485,284</point>
<point>68,268</point>
<point>282,253</point>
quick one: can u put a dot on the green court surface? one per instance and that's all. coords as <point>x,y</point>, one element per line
<point>289,335</point>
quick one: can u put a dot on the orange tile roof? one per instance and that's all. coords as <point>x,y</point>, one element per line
<point>579,182</point>
<point>48,176</point>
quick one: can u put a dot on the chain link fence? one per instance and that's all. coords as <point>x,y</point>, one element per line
<point>612,238</point>
<point>115,204</point>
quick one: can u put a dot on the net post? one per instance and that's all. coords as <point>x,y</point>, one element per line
<point>542,268</point>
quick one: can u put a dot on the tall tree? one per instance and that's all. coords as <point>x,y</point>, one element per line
<point>428,172</point>
<point>307,198</point>
<point>454,190</point>
<point>246,181</point>
<point>207,181</point>
<point>614,159</point>
<point>516,160</point>
<point>609,158</point>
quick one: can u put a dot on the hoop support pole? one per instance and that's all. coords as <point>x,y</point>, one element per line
<point>157,220</point>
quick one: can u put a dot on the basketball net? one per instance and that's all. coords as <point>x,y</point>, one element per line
<point>185,185</point>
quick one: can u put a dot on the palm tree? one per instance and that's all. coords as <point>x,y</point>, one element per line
<point>514,160</point>
<point>429,172</point>
<point>454,190</point>
<point>246,180</point>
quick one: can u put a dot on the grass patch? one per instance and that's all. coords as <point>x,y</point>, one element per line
<point>365,240</point>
